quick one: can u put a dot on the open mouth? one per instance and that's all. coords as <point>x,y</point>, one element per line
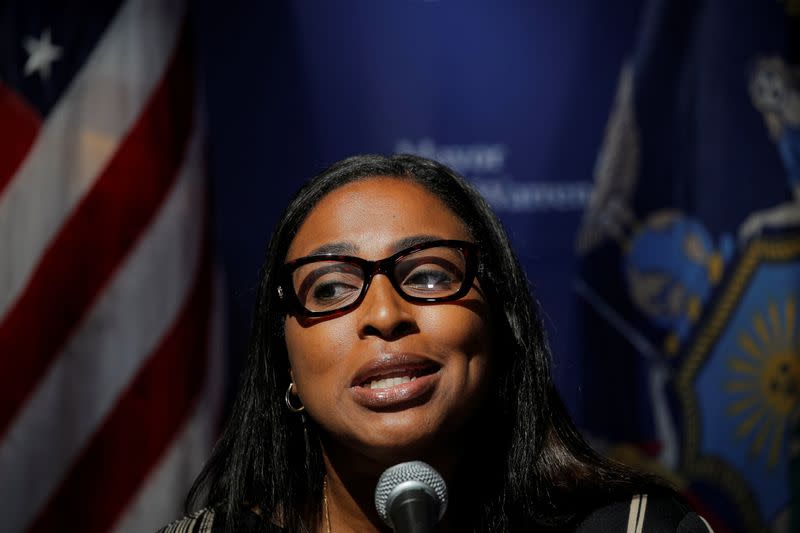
<point>400,376</point>
<point>396,381</point>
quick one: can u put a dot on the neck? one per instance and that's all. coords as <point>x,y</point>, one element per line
<point>348,498</point>
<point>350,489</point>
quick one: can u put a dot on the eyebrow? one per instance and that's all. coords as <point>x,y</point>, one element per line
<point>348,248</point>
<point>335,248</point>
<point>408,242</point>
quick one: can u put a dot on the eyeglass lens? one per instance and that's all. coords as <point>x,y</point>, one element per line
<point>436,272</point>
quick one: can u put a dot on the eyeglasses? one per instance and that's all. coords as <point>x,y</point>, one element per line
<point>328,285</point>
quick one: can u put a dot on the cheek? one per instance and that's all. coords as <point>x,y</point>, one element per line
<point>314,351</point>
<point>464,339</point>
<point>458,328</point>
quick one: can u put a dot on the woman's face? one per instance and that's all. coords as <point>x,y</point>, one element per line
<point>341,366</point>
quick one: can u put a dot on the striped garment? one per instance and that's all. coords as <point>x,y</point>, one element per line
<point>109,390</point>
<point>201,521</point>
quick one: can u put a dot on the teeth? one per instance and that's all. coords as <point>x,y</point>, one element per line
<point>390,382</point>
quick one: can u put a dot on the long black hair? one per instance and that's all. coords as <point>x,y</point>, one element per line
<point>537,470</point>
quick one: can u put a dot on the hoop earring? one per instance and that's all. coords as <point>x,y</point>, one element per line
<point>288,399</point>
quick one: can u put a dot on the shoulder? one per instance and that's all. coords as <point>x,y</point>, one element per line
<point>645,514</point>
<point>201,521</point>
<point>208,520</point>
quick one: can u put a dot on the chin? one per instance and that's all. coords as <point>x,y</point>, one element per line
<point>402,436</point>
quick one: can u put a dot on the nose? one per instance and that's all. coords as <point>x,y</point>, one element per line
<point>384,313</point>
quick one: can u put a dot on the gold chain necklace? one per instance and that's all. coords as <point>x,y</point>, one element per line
<point>325,503</point>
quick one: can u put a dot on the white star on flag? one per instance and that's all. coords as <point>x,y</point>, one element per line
<point>41,54</point>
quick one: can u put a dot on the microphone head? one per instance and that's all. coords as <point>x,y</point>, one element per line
<point>414,475</point>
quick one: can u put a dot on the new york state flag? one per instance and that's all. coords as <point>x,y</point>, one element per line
<point>690,254</point>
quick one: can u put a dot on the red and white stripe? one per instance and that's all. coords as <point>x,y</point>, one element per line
<point>109,368</point>
<point>166,489</point>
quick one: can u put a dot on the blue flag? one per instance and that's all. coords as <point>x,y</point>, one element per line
<point>690,247</point>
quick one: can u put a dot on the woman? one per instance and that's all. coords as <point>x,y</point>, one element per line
<point>394,323</point>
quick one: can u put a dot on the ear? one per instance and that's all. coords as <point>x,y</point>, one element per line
<point>291,374</point>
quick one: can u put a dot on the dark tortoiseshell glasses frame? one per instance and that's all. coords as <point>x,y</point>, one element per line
<point>386,266</point>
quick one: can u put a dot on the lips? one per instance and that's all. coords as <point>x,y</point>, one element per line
<point>395,380</point>
<point>392,367</point>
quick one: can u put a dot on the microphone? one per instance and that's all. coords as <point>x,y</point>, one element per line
<point>411,497</point>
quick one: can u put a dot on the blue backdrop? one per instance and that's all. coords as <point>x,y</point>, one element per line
<point>513,94</point>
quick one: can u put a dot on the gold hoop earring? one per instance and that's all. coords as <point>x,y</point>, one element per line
<point>288,399</point>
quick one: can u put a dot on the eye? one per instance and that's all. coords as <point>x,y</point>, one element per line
<point>428,278</point>
<point>331,291</point>
<point>327,284</point>
<point>432,272</point>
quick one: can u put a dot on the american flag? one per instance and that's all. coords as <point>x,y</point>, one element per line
<point>110,376</point>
